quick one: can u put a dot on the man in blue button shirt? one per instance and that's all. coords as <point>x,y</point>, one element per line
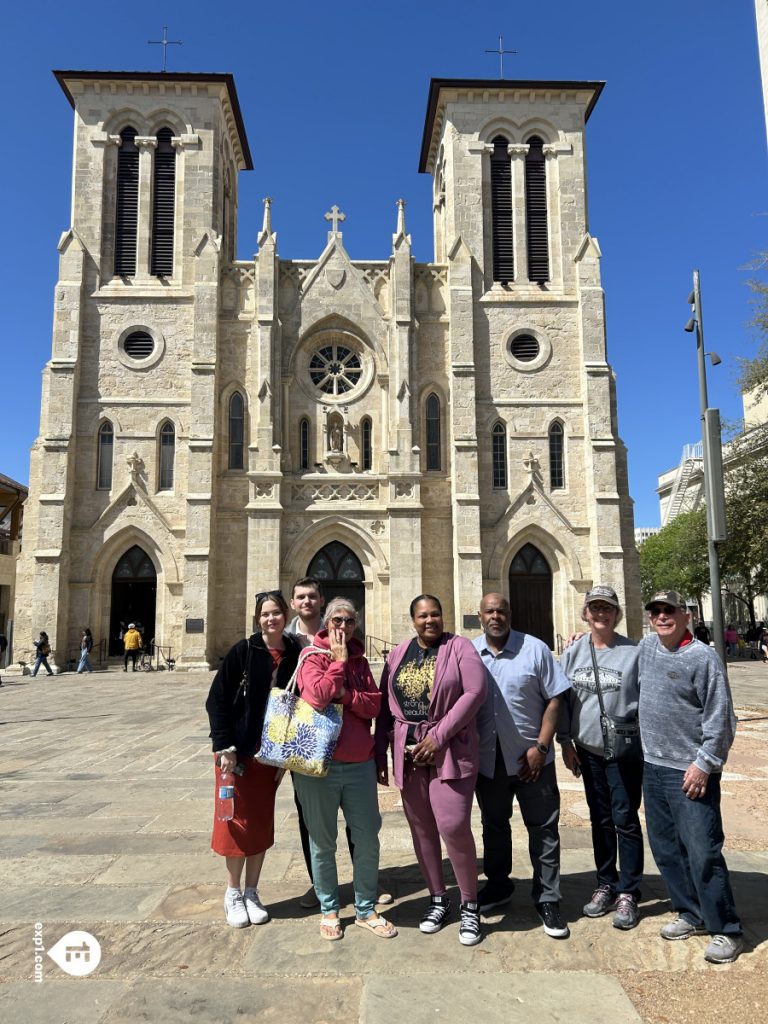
<point>517,726</point>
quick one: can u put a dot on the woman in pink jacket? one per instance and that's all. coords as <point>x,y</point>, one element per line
<point>432,688</point>
<point>335,670</point>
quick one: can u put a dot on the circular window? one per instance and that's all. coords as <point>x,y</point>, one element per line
<point>335,369</point>
<point>525,348</point>
<point>527,352</point>
<point>139,345</point>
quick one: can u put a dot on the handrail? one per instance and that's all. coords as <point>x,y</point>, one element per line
<point>377,649</point>
<point>158,653</point>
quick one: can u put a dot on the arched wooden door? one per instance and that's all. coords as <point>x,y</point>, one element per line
<point>134,597</point>
<point>341,573</point>
<point>530,594</point>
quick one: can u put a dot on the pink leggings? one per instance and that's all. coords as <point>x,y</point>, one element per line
<point>434,809</point>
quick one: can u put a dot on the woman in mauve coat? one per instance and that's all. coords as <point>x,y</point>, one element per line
<point>432,688</point>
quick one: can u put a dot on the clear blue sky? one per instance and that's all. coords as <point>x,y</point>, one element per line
<point>334,95</point>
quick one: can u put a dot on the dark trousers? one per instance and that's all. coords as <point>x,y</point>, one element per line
<point>686,839</point>
<point>304,834</point>
<point>539,804</point>
<point>614,790</point>
<point>133,656</point>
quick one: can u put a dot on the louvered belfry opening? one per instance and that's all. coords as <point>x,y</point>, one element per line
<point>127,214</point>
<point>501,210</point>
<point>536,210</point>
<point>163,203</point>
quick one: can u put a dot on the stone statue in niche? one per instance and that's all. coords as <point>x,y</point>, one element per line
<point>336,437</point>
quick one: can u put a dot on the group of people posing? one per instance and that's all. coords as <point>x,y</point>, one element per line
<point>458,719</point>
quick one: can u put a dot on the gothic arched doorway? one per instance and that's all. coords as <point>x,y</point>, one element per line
<point>134,597</point>
<point>530,594</point>
<point>341,573</point>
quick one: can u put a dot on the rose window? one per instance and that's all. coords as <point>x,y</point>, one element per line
<point>335,369</point>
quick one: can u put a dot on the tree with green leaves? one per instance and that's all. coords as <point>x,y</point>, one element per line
<point>754,372</point>
<point>744,556</point>
<point>676,557</point>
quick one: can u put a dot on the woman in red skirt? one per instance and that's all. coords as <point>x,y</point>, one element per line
<point>235,706</point>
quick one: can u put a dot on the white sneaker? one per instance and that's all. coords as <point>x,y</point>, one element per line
<point>257,912</point>
<point>234,907</point>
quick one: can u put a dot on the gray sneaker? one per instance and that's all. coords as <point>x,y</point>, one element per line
<point>602,898</point>
<point>723,949</point>
<point>626,915</point>
<point>681,928</point>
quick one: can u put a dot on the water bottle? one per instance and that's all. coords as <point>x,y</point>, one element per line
<point>225,797</point>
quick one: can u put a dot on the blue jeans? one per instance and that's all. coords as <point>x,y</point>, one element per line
<point>686,839</point>
<point>351,787</point>
<point>85,664</point>
<point>41,660</point>
<point>613,790</point>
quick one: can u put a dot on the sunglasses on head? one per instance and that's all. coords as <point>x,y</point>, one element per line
<point>339,620</point>
<point>268,593</point>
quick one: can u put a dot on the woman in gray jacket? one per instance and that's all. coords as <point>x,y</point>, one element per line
<point>613,788</point>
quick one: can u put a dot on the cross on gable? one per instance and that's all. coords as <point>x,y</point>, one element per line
<point>335,215</point>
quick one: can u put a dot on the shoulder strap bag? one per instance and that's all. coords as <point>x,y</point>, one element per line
<point>621,733</point>
<point>296,737</point>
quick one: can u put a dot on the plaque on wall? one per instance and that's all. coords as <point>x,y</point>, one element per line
<point>195,625</point>
<point>471,622</point>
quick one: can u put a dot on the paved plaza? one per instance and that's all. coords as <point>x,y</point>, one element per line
<point>106,806</point>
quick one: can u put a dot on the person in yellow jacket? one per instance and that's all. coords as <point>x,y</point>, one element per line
<point>133,644</point>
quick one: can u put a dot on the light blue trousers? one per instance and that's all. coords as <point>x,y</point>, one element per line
<point>351,787</point>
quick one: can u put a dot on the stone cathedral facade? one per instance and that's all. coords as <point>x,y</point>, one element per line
<point>213,427</point>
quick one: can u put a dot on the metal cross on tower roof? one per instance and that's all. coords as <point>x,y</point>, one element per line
<point>165,42</point>
<point>501,51</point>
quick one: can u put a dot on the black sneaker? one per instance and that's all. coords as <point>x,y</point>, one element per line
<point>434,919</point>
<point>469,929</point>
<point>492,896</point>
<point>553,923</point>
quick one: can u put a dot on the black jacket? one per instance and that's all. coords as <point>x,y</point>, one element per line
<point>236,713</point>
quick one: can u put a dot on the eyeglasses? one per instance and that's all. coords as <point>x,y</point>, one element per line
<point>339,620</point>
<point>666,609</point>
<point>601,606</point>
<point>268,593</point>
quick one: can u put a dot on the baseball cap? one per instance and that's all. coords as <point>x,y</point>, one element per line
<point>602,593</point>
<point>131,625</point>
<point>666,597</point>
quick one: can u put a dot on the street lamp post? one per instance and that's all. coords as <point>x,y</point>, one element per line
<point>713,468</point>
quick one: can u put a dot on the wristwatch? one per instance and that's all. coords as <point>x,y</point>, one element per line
<point>542,748</point>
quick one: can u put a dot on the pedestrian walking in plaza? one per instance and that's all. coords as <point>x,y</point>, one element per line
<point>3,649</point>
<point>432,688</point>
<point>132,643</point>
<point>335,670</point>
<point>235,705</point>
<point>42,650</point>
<point>613,788</point>
<point>688,727</point>
<point>86,646</point>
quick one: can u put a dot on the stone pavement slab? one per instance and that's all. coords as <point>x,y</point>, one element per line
<point>517,998</point>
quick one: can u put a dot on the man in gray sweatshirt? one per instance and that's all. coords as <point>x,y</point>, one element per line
<point>688,726</point>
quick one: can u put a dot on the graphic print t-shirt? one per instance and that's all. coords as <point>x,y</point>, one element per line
<point>413,683</point>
